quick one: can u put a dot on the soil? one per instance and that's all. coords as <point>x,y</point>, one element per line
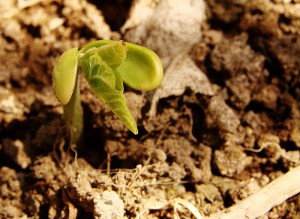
<point>220,133</point>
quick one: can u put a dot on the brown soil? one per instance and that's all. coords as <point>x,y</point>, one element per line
<point>201,148</point>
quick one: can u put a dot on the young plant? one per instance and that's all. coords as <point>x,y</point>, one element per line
<point>105,64</point>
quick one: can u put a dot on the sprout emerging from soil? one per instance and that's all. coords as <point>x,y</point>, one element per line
<point>106,65</point>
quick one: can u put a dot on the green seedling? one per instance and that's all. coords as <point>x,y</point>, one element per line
<point>105,64</point>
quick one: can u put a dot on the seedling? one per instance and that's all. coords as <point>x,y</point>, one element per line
<point>105,64</point>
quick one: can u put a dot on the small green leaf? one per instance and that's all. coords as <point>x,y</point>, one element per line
<point>116,102</point>
<point>64,75</point>
<point>108,86</point>
<point>94,68</point>
<point>113,53</point>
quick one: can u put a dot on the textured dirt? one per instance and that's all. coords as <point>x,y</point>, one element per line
<point>202,144</point>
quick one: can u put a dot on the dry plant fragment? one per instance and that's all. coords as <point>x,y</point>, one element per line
<point>268,197</point>
<point>188,205</point>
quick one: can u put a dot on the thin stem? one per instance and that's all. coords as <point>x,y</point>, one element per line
<point>73,115</point>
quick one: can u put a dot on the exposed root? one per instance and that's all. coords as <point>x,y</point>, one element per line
<point>282,152</point>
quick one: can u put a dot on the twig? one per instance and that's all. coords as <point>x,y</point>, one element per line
<point>261,202</point>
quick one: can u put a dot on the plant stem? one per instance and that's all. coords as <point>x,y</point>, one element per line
<point>73,115</point>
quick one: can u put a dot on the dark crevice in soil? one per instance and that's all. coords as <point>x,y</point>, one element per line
<point>7,162</point>
<point>115,11</point>
<point>229,29</point>
<point>34,31</point>
<point>44,211</point>
<point>190,186</point>
<point>129,163</point>
<point>214,76</point>
<point>228,200</point>
<point>198,121</point>
<point>92,148</point>
<point>83,32</point>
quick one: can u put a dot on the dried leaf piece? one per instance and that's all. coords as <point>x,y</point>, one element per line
<point>182,73</point>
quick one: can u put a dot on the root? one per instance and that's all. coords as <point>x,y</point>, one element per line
<point>282,152</point>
